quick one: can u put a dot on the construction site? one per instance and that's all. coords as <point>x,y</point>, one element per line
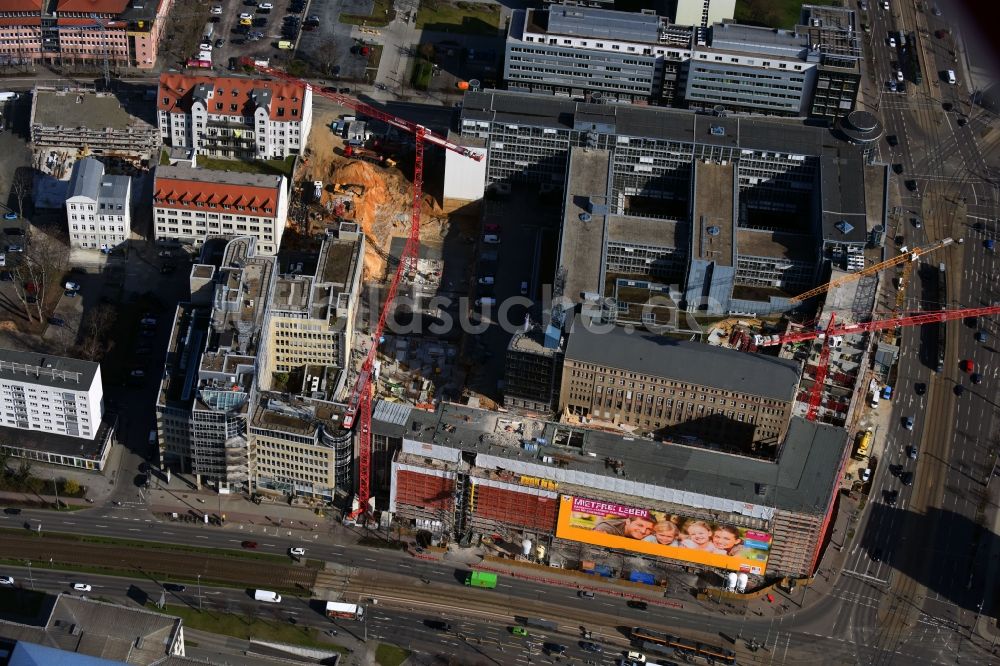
<point>361,172</point>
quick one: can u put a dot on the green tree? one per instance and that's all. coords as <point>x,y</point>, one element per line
<point>71,487</point>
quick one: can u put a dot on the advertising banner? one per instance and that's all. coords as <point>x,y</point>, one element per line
<point>662,535</point>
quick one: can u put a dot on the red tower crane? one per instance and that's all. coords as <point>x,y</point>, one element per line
<point>360,402</point>
<point>832,330</point>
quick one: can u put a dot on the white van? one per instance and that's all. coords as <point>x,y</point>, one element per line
<point>492,239</point>
<point>951,77</point>
<point>267,595</point>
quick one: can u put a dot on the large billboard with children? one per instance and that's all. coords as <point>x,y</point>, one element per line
<point>663,535</point>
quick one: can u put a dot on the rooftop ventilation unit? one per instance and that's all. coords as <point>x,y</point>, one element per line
<point>713,231</point>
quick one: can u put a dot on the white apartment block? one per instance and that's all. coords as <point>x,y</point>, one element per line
<point>234,117</point>
<point>192,204</point>
<point>52,394</point>
<point>98,207</point>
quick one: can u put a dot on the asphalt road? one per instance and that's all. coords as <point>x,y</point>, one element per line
<point>926,588</point>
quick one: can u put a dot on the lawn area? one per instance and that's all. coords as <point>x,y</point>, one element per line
<point>772,13</point>
<point>471,18</point>
<point>276,167</point>
<point>422,73</point>
<point>382,14</point>
<point>390,655</point>
<point>244,626</point>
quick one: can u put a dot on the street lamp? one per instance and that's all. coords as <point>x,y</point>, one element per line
<point>31,581</point>
<point>199,591</point>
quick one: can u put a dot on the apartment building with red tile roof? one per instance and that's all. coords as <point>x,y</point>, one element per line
<point>191,204</point>
<point>233,117</point>
<point>127,32</point>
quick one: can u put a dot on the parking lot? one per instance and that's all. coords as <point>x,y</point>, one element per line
<point>327,49</point>
<point>255,29</point>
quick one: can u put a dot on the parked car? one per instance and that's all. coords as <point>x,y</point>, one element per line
<point>10,216</point>
<point>15,247</point>
<point>866,474</point>
<point>148,320</point>
<point>265,5</point>
<point>73,286</point>
<point>216,10</point>
<point>57,321</point>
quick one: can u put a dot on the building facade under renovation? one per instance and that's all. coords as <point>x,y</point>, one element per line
<point>595,496</point>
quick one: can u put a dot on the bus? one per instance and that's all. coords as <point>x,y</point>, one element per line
<point>667,645</point>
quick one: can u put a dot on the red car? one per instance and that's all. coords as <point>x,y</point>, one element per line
<point>249,544</point>
<point>492,228</point>
<point>968,365</point>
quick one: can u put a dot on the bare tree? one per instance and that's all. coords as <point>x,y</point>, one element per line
<point>21,187</point>
<point>45,261</point>
<point>96,341</point>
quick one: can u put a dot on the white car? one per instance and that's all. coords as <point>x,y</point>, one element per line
<point>6,580</point>
<point>885,4</point>
<point>486,279</point>
<point>866,474</point>
<point>73,286</point>
<point>524,288</point>
<point>892,42</point>
<point>82,587</point>
<point>297,552</point>
<point>205,46</point>
<point>636,657</point>
<point>493,239</point>
<point>265,5</point>
<point>3,259</point>
<point>216,10</point>
<point>246,16</point>
<point>899,75</point>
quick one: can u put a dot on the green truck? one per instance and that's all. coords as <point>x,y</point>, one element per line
<point>482,579</point>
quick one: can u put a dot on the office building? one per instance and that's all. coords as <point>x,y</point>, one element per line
<point>661,387</point>
<point>234,117</point>
<point>460,473</point>
<point>98,207</point>
<point>703,12</point>
<point>96,122</point>
<point>623,57</point>
<point>190,205</point>
<point>309,329</point>
<point>301,448</point>
<point>714,214</point>
<point>209,386</point>
<point>71,33</point>
<point>574,51</point>
<point>533,370</point>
